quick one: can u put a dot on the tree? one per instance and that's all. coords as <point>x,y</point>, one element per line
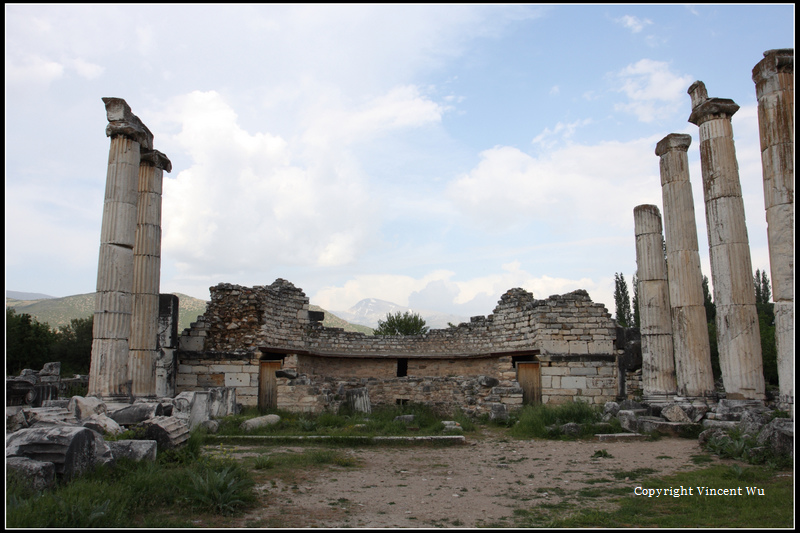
<point>73,346</point>
<point>28,343</point>
<point>622,301</point>
<point>766,325</point>
<point>407,323</point>
<point>711,324</point>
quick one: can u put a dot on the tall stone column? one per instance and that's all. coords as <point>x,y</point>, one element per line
<point>108,376</point>
<point>658,363</point>
<point>689,330</point>
<point>147,275</point>
<point>774,79</point>
<point>738,334</point>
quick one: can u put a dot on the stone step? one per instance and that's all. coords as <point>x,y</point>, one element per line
<point>620,437</point>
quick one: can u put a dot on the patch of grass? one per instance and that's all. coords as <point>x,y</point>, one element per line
<point>148,494</point>
<point>702,459</point>
<point>534,420</point>
<point>773,510</point>
<point>602,453</point>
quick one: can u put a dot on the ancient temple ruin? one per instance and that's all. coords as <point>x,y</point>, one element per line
<point>265,342</point>
<point>126,348</point>
<point>731,268</point>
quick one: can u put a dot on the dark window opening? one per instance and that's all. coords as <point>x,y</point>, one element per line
<point>402,368</point>
<point>402,401</point>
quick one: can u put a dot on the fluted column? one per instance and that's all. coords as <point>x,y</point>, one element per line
<point>738,334</point>
<point>689,330</point>
<point>774,79</point>
<point>147,275</point>
<point>658,363</point>
<point>108,376</point>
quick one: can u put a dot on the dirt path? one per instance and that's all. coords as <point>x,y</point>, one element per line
<point>476,484</point>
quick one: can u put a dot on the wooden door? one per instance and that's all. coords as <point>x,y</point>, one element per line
<point>529,379</point>
<point>267,385</point>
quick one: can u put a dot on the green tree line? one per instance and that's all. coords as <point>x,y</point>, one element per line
<point>31,344</point>
<point>628,316</point>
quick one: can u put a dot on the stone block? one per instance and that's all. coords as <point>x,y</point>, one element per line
<point>573,382</point>
<point>135,450</point>
<point>36,475</point>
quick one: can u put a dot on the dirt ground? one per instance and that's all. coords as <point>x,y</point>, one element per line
<point>479,483</point>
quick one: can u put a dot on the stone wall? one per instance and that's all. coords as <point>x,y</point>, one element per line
<point>471,366</point>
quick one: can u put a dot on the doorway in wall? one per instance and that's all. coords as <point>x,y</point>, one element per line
<point>529,378</point>
<point>267,383</point>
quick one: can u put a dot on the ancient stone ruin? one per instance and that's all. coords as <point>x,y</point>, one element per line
<point>265,342</point>
<point>262,346</point>
<point>731,269</point>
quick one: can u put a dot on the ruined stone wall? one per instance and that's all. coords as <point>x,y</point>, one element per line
<point>469,366</point>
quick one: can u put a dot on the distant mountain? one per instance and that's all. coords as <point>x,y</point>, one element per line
<point>333,321</point>
<point>367,312</point>
<point>16,295</point>
<point>58,312</point>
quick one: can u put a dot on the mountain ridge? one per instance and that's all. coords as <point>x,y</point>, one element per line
<point>58,312</point>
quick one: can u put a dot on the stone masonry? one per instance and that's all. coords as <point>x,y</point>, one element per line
<point>471,366</point>
<point>658,362</point>
<point>774,79</point>
<point>695,379</point>
<point>125,331</point>
<point>729,249</point>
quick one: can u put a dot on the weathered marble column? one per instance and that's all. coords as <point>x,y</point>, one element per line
<point>689,330</point>
<point>658,363</point>
<point>147,275</point>
<point>774,79</point>
<point>108,376</point>
<point>738,335</point>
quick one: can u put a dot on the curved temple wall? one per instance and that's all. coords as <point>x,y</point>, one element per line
<point>568,339</point>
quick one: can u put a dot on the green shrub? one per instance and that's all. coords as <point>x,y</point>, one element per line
<point>535,419</point>
<point>221,491</point>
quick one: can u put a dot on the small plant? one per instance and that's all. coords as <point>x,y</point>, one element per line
<point>220,491</point>
<point>263,462</point>
<point>602,453</point>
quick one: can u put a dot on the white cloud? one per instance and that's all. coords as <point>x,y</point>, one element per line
<point>573,185</point>
<point>33,70</point>
<point>86,69</point>
<point>635,24</point>
<point>244,202</point>
<point>437,291</point>
<point>653,90</point>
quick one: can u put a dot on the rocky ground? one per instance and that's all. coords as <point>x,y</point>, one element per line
<point>479,483</point>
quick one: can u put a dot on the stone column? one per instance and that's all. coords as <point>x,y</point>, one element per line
<point>658,363</point>
<point>738,334</point>
<point>108,376</point>
<point>689,331</point>
<point>774,79</point>
<point>147,275</point>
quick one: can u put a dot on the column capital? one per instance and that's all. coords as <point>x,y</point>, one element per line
<point>673,141</point>
<point>775,61</point>
<point>157,159</point>
<point>121,121</point>
<point>705,108</point>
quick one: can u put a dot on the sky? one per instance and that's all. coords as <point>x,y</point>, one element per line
<point>434,156</point>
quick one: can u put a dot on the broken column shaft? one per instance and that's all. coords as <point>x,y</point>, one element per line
<point>774,79</point>
<point>658,364</point>
<point>147,275</point>
<point>738,336</point>
<point>689,330</point>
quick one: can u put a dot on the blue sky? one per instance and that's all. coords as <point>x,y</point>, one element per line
<point>432,156</point>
